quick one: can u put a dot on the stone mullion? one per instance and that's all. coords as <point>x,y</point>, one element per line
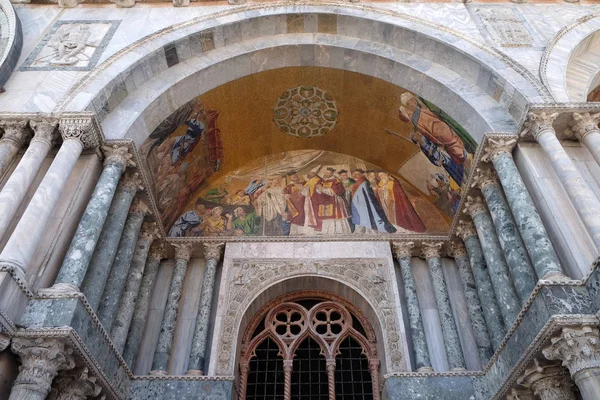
<point>15,136</point>
<point>142,304</point>
<point>79,255</point>
<point>160,363</point>
<point>454,353</point>
<point>499,273</point>
<point>132,286</point>
<point>288,367</point>
<point>536,240</point>
<point>402,251</point>
<point>212,253</point>
<point>117,278</point>
<point>491,311</point>
<point>330,365</point>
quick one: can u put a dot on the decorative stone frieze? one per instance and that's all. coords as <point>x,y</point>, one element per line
<point>75,384</point>
<point>497,146</point>
<point>549,382</point>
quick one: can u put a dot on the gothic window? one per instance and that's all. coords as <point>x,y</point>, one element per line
<point>308,349</point>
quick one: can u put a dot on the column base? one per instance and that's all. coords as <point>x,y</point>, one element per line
<point>17,272</point>
<point>425,369</point>
<point>62,289</point>
<point>458,369</point>
<point>555,278</point>
<point>158,372</point>
<point>194,372</point>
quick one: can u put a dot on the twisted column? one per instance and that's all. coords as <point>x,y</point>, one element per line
<point>330,365</point>
<point>491,311</point>
<point>245,369</point>
<point>15,136</point>
<point>585,128</point>
<point>480,331</point>
<point>403,253</point>
<point>549,382</point>
<point>20,180</point>
<point>212,254</point>
<point>585,201</point>
<point>503,286</point>
<point>579,351</point>
<point>126,309</point>
<point>431,252</point>
<point>513,247</point>
<point>374,370</point>
<point>536,240</point>
<point>132,345</point>
<point>117,278</point>
<point>160,363</point>
<point>75,384</point>
<point>79,255</point>
<point>108,243</point>
<point>41,359</point>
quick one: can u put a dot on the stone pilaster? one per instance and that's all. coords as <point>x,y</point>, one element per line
<point>585,128</point>
<point>431,252</point>
<point>503,285</point>
<point>585,201</point>
<point>579,351</point>
<point>160,363</point>
<point>548,382</point>
<point>79,255</point>
<point>134,338</point>
<point>403,253</point>
<point>14,137</point>
<point>480,330</point>
<point>120,269</point>
<point>75,384</point>
<point>212,255</point>
<point>536,240</point>
<point>41,360</point>
<point>106,249</point>
<point>126,309</point>
<point>512,245</point>
<point>20,180</point>
<point>491,311</point>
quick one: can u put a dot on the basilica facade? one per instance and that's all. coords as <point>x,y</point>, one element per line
<point>299,200</point>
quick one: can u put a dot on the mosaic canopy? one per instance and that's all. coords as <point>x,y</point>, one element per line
<point>338,153</point>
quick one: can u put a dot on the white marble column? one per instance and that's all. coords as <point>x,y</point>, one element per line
<point>14,137</point>
<point>585,128</point>
<point>584,199</point>
<point>20,180</point>
<point>548,382</point>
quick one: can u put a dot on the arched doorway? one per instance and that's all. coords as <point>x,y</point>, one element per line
<point>309,346</point>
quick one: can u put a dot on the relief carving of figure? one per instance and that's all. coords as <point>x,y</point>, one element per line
<point>70,44</point>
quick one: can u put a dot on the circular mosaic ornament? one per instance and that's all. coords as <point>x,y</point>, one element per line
<point>305,111</point>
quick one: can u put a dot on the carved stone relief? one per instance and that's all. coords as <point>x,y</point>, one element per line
<point>505,27</point>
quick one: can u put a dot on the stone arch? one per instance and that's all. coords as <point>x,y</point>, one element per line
<point>137,88</point>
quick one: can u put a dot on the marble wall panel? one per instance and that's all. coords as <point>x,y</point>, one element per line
<point>174,389</point>
<point>428,388</point>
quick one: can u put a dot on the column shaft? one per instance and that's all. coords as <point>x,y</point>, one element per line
<point>15,135</point>
<point>592,141</point>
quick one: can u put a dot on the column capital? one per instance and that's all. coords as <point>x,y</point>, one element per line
<point>577,348</point>
<point>77,383</point>
<point>118,155</point>
<point>15,131</point>
<point>548,381</point>
<point>44,130</point>
<point>131,181</point>
<point>403,249</point>
<point>457,249</point>
<point>520,394</point>
<point>80,128</point>
<point>584,123</point>
<point>484,177</point>
<point>465,229</point>
<point>538,123</point>
<point>4,341</point>
<point>496,147</point>
<point>139,206</point>
<point>474,205</point>
<point>213,251</point>
<point>183,251</point>
<point>431,249</point>
<point>150,231</point>
<point>158,251</point>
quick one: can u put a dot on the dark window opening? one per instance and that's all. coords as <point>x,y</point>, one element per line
<point>265,378</point>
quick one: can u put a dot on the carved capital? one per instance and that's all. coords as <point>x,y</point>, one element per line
<point>465,229</point>
<point>131,181</point>
<point>496,147</point>
<point>584,123</point>
<point>457,249</point>
<point>577,348</point>
<point>41,359</point>
<point>158,251</point>
<point>538,123</point>
<point>15,131</point>
<point>431,249</point>
<point>403,249</point>
<point>183,251</point>
<point>520,394</point>
<point>288,365</point>
<point>44,130</point>
<point>4,341</point>
<point>117,155</point>
<point>139,206</point>
<point>484,177</point>
<point>75,384</point>
<point>474,205</point>
<point>548,381</point>
<point>213,251</point>
<point>150,231</point>
<point>79,128</point>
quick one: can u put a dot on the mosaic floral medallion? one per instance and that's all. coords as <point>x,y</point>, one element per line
<point>305,111</point>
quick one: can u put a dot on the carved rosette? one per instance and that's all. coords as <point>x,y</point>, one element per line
<point>584,123</point>
<point>41,359</point>
<point>484,177</point>
<point>131,181</point>
<point>139,206</point>
<point>80,128</point>
<point>431,249</point>
<point>117,155</point>
<point>496,147</point>
<point>457,249</point>
<point>149,231</point>
<point>403,249</point>
<point>520,394</point>
<point>577,348</point>
<point>213,251</point>
<point>549,382</point>
<point>183,251</point>
<point>465,229</point>
<point>538,123</point>
<point>474,206</point>
<point>44,130</point>
<point>15,131</point>
<point>74,385</point>
<point>158,251</point>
